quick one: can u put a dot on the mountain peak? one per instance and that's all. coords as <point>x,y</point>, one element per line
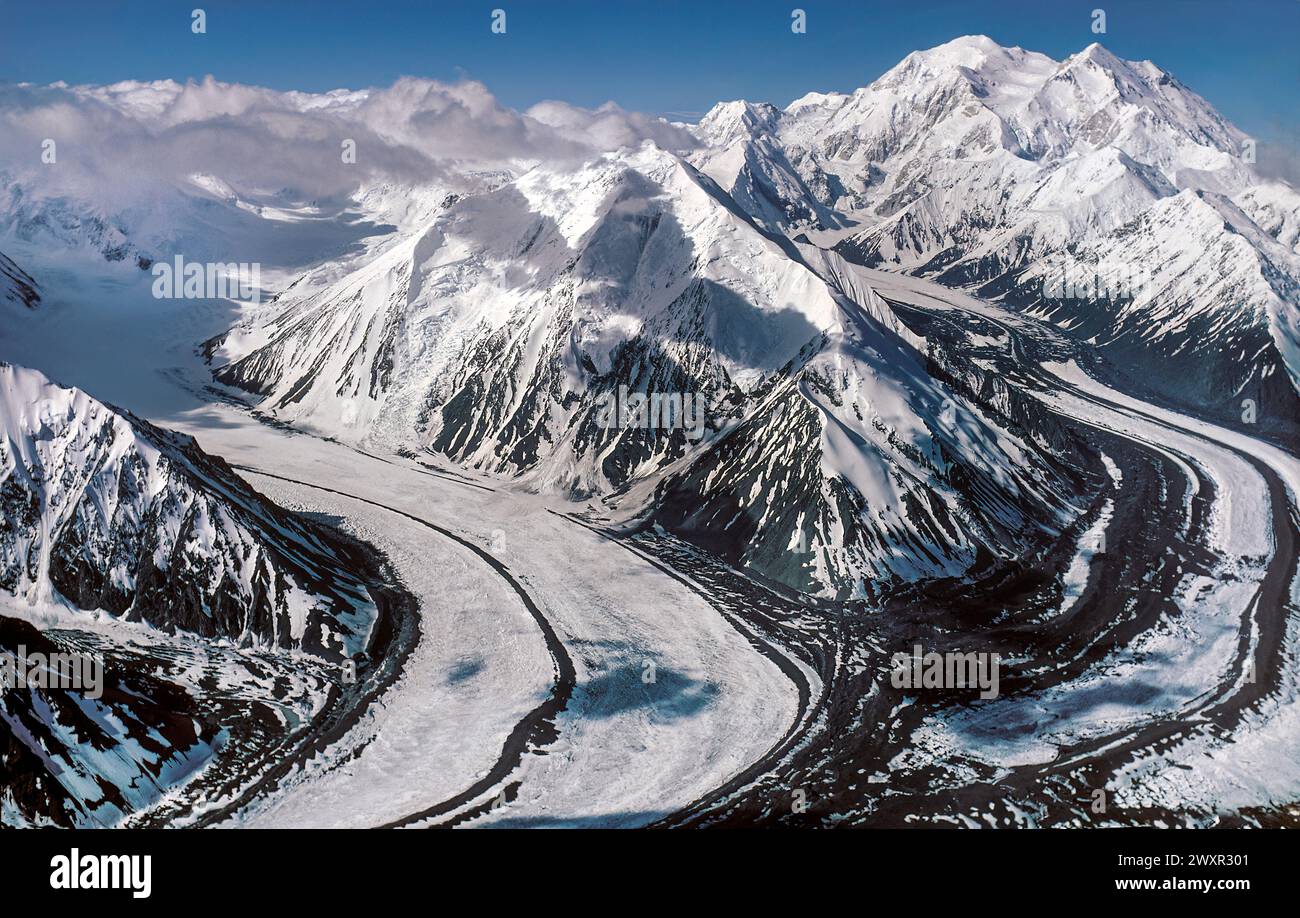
<point>740,109</point>
<point>811,99</point>
<point>982,42</point>
<point>726,121</point>
<point>1097,53</point>
<point>970,51</point>
<point>976,59</point>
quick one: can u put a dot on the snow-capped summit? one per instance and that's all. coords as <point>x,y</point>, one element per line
<point>742,153</point>
<point>975,58</point>
<point>993,167</point>
<point>729,121</point>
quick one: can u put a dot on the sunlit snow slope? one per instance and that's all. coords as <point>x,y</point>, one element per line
<point>495,335</point>
<point>1001,169</point>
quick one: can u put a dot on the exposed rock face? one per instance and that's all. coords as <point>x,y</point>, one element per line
<point>16,285</point>
<point>72,758</point>
<point>112,513</point>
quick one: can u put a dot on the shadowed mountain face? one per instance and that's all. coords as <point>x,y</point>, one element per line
<point>214,622</point>
<point>88,757</point>
<point>16,285</point>
<point>110,513</point>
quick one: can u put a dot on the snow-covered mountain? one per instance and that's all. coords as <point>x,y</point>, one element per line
<point>67,223</point>
<point>689,341</point>
<point>103,511</point>
<point>506,306</point>
<point>996,168</point>
<point>201,218</point>
<point>224,172</point>
<point>780,189</point>
<point>497,335</point>
<point>1215,297</point>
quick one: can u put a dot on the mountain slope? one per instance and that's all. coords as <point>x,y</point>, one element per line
<point>68,758</point>
<point>16,285</point>
<point>992,168</point>
<point>109,513</point>
<point>1214,297</point>
<point>498,335</point>
<point>744,157</point>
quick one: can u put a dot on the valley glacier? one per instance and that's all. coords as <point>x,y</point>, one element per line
<point>362,553</point>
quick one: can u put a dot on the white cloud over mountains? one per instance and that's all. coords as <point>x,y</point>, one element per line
<point>123,143</point>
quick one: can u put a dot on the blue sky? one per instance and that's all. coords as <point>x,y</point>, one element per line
<point>662,56</point>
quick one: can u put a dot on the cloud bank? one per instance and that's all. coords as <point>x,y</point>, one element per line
<point>120,144</point>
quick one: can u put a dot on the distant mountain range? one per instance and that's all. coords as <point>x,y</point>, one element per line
<point>502,308</point>
<point>1002,170</point>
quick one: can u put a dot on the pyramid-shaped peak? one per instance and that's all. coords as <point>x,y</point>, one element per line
<point>1098,55</point>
